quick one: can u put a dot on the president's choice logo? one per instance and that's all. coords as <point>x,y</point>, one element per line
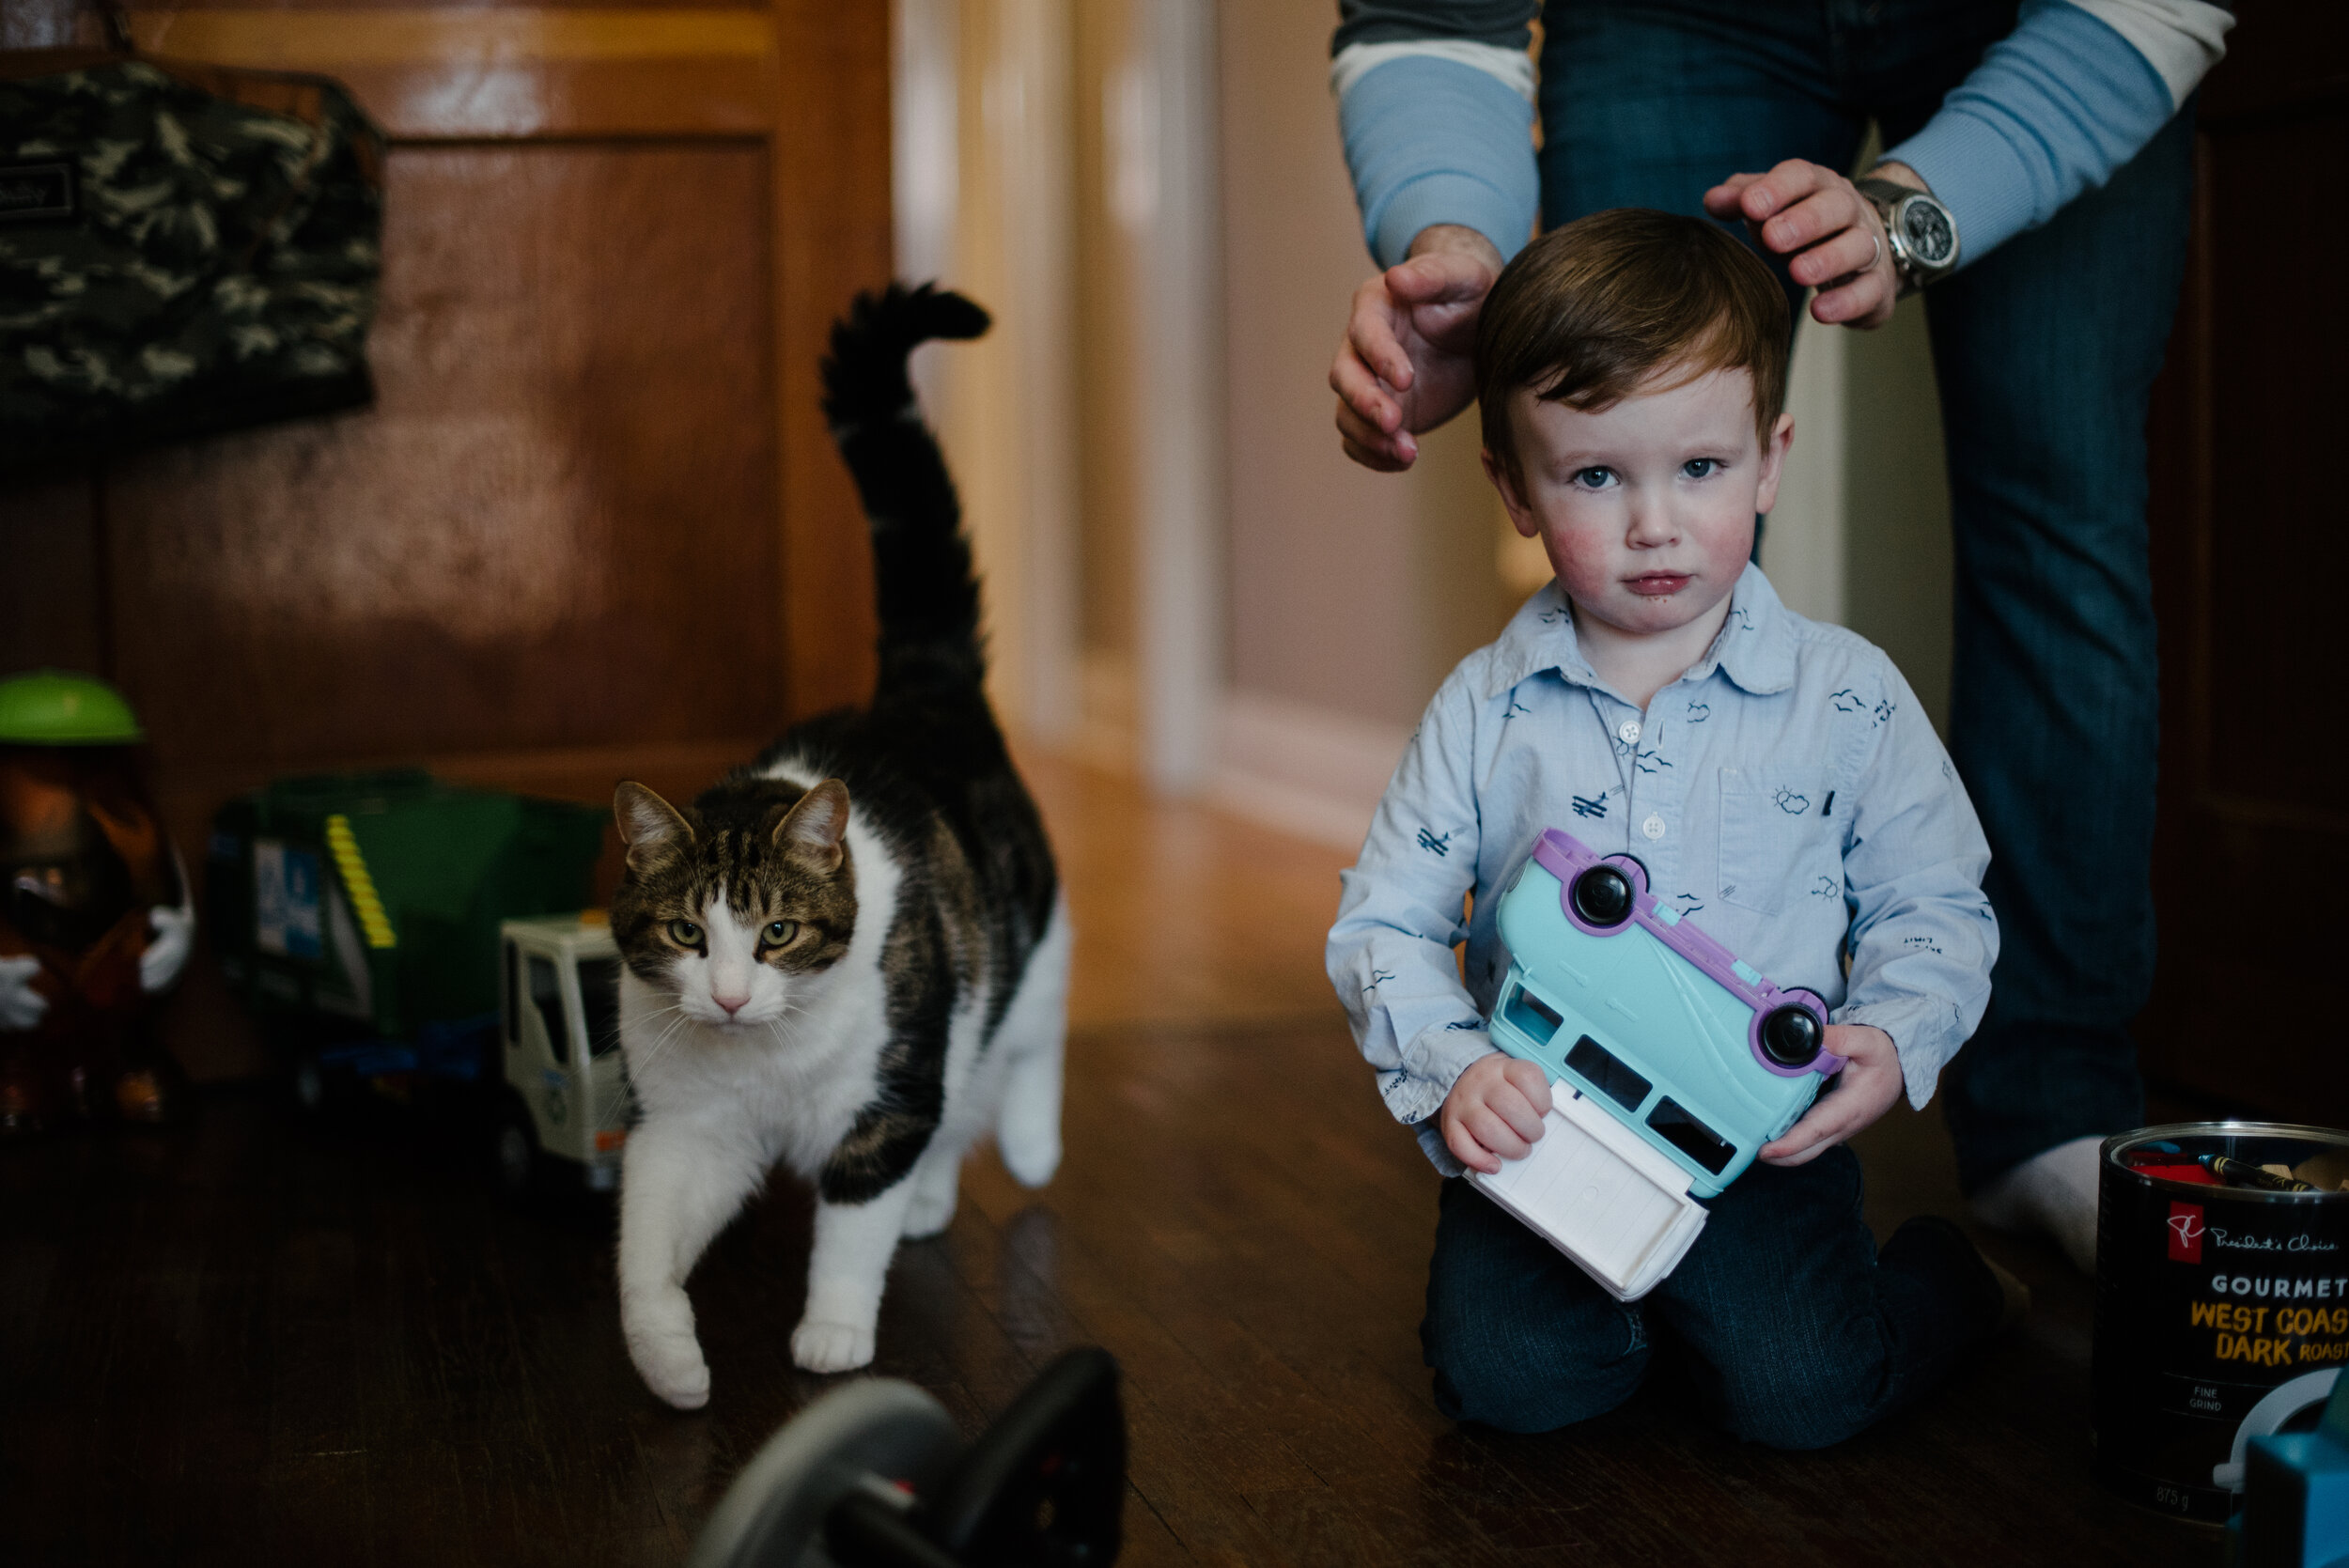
<point>2186,1233</point>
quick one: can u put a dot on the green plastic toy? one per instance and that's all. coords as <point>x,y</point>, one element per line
<point>51,707</point>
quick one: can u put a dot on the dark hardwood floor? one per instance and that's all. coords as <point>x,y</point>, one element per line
<point>257,1340</point>
<point>260,1340</point>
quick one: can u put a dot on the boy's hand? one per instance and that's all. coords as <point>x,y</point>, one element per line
<point>1494,1112</point>
<point>1408,361</point>
<point>1864,1091</point>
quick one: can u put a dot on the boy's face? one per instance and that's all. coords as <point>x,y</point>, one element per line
<point>1646,508</point>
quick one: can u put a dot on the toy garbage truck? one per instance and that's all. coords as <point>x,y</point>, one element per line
<point>379,927</point>
<point>1671,1063</point>
<point>568,1097</point>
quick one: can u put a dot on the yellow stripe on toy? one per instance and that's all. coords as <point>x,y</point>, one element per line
<point>344,847</point>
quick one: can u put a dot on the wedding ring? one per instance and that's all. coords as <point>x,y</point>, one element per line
<point>1876,254</point>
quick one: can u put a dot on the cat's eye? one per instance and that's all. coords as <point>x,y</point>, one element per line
<point>685,933</point>
<point>779,933</point>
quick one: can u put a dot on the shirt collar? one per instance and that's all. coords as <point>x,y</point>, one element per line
<point>1755,649</point>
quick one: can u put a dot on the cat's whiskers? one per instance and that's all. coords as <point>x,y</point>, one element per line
<point>666,1034</point>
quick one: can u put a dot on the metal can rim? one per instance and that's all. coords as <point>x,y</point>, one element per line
<point>2110,1152</point>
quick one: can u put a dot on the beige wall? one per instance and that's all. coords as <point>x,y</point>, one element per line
<point>1349,591</point>
<point>1896,529</point>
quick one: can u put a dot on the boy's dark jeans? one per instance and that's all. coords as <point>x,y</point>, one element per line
<point>1799,1334</point>
<point>2045,352</point>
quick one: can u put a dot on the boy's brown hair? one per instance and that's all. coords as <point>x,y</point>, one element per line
<point>1587,311</point>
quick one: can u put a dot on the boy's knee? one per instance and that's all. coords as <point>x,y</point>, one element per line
<point>1811,1409</point>
<point>1519,1400</point>
<point>1522,1378</point>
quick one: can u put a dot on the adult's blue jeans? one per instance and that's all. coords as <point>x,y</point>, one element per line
<point>2044,351</point>
<point>1797,1331</point>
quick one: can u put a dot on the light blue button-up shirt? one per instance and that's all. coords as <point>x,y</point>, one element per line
<point>1786,792</point>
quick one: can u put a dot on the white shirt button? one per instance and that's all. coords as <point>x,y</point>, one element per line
<point>1653,827</point>
<point>1628,731</point>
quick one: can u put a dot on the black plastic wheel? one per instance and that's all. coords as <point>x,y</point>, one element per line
<point>1791,1036</point>
<point>309,1085</point>
<point>1602,896</point>
<point>514,1152</point>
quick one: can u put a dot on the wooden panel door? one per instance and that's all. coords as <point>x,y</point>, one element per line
<point>2250,558</point>
<point>593,526</point>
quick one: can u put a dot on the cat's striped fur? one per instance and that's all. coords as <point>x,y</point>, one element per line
<point>852,957</point>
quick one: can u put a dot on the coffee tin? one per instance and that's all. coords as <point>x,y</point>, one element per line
<point>2223,1311</point>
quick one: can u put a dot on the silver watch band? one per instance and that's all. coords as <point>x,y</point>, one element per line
<point>1887,197</point>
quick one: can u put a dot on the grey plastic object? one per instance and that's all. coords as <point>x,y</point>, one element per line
<point>2265,1419</point>
<point>861,1436</point>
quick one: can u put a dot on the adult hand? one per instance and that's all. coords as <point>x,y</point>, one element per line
<point>1408,360</point>
<point>1494,1112</point>
<point>1864,1091</point>
<point>1819,218</point>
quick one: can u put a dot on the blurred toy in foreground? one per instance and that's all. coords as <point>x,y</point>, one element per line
<point>98,919</point>
<point>876,1475</point>
<point>2296,1500</point>
<point>1679,1059</point>
<point>418,940</point>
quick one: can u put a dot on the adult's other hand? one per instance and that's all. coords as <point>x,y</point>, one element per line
<point>1408,361</point>
<point>1815,216</point>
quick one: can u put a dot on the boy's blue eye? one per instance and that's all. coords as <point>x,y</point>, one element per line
<point>1701,467</point>
<point>1593,478</point>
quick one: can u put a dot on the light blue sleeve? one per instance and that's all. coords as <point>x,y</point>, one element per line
<point>1401,913</point>
<point>2053,109</point>
<point>1432,141</point>
<point>1922,935</point>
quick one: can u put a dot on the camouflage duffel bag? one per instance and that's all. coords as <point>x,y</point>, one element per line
<point>183,249</point>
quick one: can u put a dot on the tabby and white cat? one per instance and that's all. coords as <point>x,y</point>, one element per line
<point>852,957</point>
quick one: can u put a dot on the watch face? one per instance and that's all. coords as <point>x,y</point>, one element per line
<point>1925,230</point>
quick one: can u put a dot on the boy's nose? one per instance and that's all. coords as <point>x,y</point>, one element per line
<point>1653,525</point>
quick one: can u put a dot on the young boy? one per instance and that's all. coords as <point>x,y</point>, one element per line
<point>1778,781</point>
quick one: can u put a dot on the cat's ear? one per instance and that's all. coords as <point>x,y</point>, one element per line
<point>650,826</point>
<point>810,832</point>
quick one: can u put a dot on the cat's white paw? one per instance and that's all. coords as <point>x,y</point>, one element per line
<point>930,1212</point>
<point>672,1367</point>
<point>1031,1149</point>
<point>832,1346</point>
<point>659,1329</point>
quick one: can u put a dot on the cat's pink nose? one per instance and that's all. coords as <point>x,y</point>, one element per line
<point>731,1005</point>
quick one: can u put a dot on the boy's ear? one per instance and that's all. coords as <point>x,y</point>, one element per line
<point>1774,462</point>
<point>1512,494</point>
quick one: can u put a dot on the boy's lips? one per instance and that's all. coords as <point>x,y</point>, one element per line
<point>1658,584</point>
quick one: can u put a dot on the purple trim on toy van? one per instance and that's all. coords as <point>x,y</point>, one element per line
<point>1565,857</point>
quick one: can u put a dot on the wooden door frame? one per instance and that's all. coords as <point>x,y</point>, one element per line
<point>809,81</point>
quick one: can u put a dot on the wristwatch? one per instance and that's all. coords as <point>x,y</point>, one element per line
<point>1919,229</point>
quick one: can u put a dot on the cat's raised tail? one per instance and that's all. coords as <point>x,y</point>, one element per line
<point>928,597</point>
